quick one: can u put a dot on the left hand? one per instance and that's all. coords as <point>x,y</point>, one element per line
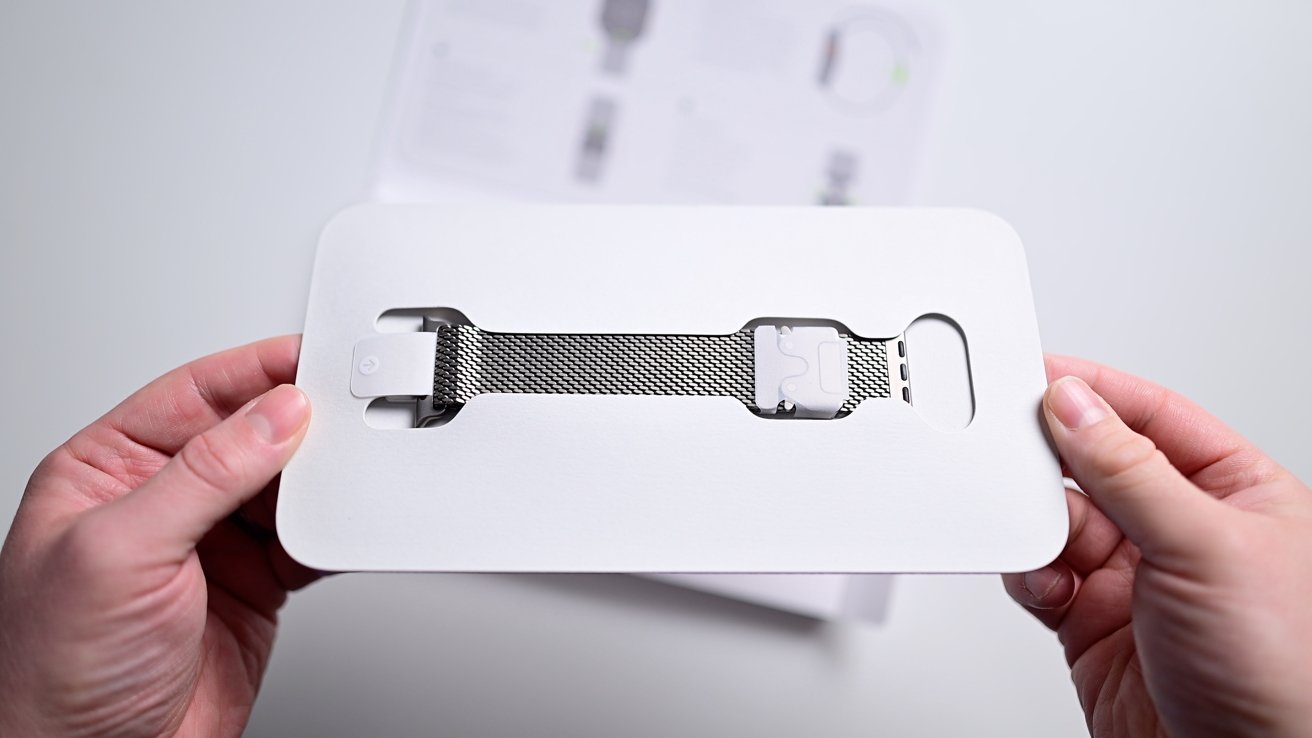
<point>141,580</point>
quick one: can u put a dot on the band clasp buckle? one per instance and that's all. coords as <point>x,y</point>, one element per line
<point>804,366</point>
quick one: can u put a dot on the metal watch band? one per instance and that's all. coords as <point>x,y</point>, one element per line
<point>470,361</point>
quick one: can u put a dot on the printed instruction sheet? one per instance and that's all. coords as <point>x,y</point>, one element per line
<point>658,101</point>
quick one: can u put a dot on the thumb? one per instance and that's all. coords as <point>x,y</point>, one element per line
<point>213,474</point>
<point>1128,478</point>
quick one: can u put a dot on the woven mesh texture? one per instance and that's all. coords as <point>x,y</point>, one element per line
<point>867,371</point>
<point>471,361</point>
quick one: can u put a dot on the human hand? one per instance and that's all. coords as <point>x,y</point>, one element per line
<point>141,580</point>
<point>1182,597</point>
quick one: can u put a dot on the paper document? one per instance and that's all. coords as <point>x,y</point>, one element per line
<point>674,101</point>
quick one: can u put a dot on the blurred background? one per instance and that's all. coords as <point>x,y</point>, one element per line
<point>165,169</point>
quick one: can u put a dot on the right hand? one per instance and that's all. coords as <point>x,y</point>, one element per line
<point>1184,595</point>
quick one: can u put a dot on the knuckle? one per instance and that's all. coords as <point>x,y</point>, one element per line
<point>57,464</point>
<point>49,466</point>
<point>1125,459</point>
<point>213,461</point>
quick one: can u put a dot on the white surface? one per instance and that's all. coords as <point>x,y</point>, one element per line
<point>579,483</point>
<point>167,169</point>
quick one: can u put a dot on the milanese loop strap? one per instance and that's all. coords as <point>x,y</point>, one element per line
<point>471,361</point>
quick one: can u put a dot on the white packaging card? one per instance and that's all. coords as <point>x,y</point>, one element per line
<point>670,101</point>
<point>639,483</point>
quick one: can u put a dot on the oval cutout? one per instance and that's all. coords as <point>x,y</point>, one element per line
<point>406,320</point>
<point>385,414</point>
<point>938,365</point>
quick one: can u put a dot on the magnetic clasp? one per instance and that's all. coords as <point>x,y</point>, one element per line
<point>394,365</point>
<point>806,366</point>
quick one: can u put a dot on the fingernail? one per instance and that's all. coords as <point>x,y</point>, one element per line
<point>279,414</point>
<point>1041,583</point>
<point>1075,405</point>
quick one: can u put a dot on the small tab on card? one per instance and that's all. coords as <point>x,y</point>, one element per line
<point>394,365</point>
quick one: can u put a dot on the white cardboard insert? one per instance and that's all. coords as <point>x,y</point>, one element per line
<point>670,484</point>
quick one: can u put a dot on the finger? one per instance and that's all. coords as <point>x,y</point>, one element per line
<point>254,570</point>
<point>1046,593</point>
<point>189,400</point>
<point>1199,445</point>
<point>136,439</point>
<point>1125,475</point>
<point>213,474</point>
<point>292,574</point>
<point>1101,607</point>
<point>260,512</point>
<point>1091,540</point>
<point>1092,537</point>
<point>239,564</point>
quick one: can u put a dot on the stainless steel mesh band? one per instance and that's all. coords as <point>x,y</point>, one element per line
<point>867,371</point>
<point>471,361</point>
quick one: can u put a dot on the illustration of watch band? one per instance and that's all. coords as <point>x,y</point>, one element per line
<point>596,139</point>
<point>774,369</point>
<point>623,22</point>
